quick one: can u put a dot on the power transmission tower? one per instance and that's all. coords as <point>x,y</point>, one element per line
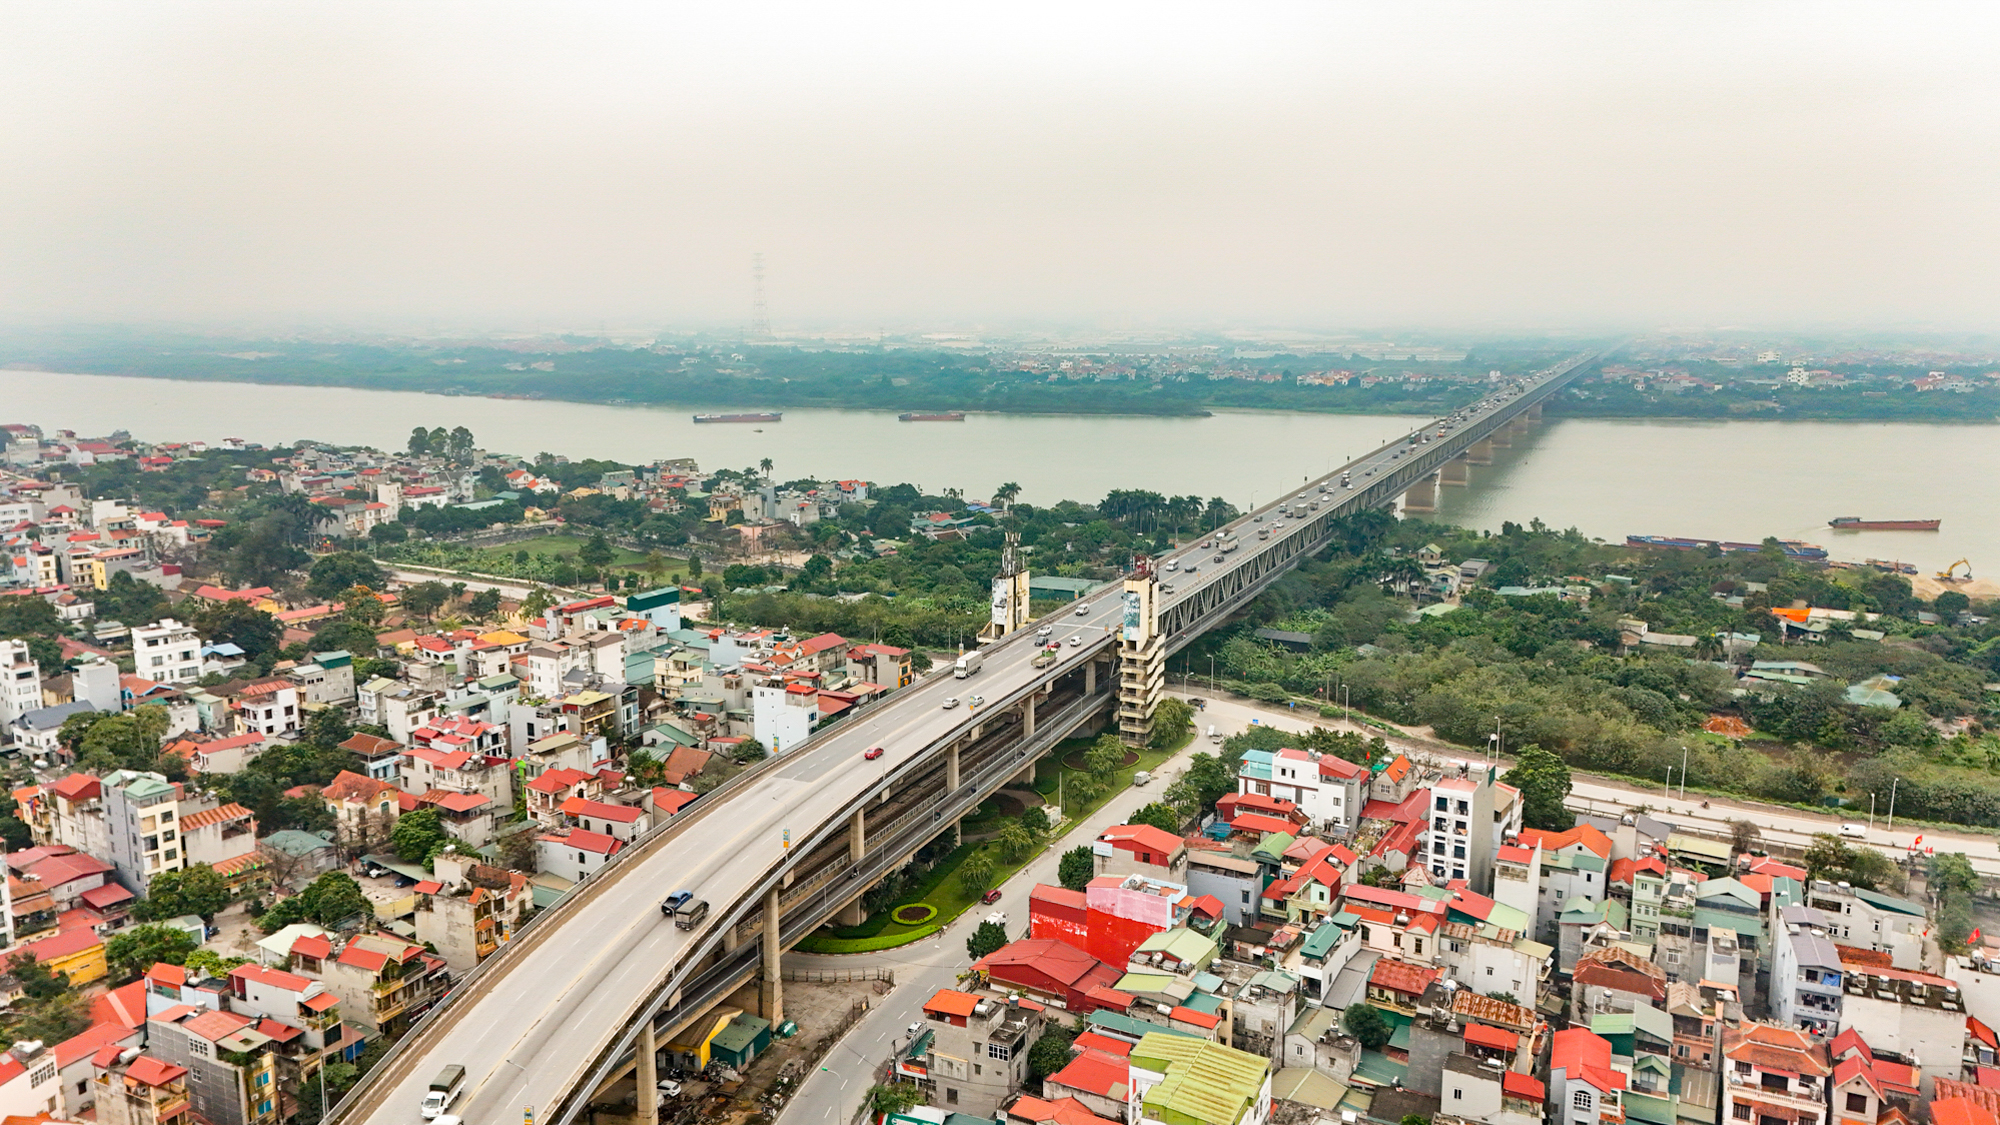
<point>760,317</point>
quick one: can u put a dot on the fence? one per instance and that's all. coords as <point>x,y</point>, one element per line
<point>838,976</point>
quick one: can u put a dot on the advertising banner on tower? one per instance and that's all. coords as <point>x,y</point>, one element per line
<point>1002,598</point>
<point>1134,609</point>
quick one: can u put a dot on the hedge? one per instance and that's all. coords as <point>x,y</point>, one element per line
<point>814,943</point>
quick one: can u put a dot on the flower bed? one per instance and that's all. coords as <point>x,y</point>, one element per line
<point>913,913</point>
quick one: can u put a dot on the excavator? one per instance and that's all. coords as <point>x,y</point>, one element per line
<point>1950,573</point>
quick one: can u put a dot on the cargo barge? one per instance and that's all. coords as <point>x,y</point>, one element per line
<point>940,416</point>
<point>1856,523</point>
<point>772,417</point>
<point>1793,548</point>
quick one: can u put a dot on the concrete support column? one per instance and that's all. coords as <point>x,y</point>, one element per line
<point>1028,718</point>
<point>1090,676</point>
<point>852,914</point>
<point>857,837</point>
<point>772,994</point>
<point>1456,471</point>
<point>1535,412</point>
<point>1481,453</point>
<point>1501,437</point>
<point>646,1054</point>
<point>951,769</point>
<point>1519,425</point>
<point>1422,496</point>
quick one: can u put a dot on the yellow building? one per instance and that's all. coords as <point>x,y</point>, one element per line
<point>78,955</point>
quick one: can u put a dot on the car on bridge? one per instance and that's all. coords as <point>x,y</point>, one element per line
<point>950,701</point>
<point>1083,611</point>
<point>1076,641</point>
<point>675,901</point>
<point>873,753</point>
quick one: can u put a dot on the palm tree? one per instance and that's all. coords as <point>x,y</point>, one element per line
<point>765,466</point>
<point>1006,493</point>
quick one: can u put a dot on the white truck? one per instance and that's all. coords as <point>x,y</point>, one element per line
<point>966,664</point>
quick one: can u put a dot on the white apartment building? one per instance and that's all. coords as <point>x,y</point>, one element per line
<point>167,652</point>
<point>20,683</point>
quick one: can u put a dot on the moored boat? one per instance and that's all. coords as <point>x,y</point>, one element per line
<point>1856,523</point>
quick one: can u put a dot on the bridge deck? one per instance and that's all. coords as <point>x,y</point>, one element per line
<point>537,1020</point>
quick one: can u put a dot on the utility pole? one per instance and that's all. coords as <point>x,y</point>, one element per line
<point>1684,773</point>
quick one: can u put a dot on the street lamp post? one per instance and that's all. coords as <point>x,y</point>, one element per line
<point>1892,803</point>
<point>1668,789</point>
<point>1684,773</point>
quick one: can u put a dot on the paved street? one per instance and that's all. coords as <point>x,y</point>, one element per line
<point>833,1092</point>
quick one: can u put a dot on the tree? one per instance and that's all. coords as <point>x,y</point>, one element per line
<point>976,871</point>
<point>1036,820</point>
<point>1950,604</point>
<point>1161,816</point>
<point>1051,1051</point>
<point>1173,721</point>
<point>1367,1025</point>
<point>484,605</point>
<point>55,1020</point>
<point>1015,840</point>
<point>38,981</point>
<point>195,889</point>
<point>1743,835</point>
<point>131,952</point>
<point>344,570</point>
<point>425,598</point>
<point>416,835</point>
<point>519,851</point>
<point>1543,780</point>
<point>595,552</point>
<point>332,900</point>
<point>1104,757</point>
<point>897,1098</point>
<point>257,633</point>
<point>1077,868</point>
<point>1826,854</point>
<point>989,937</point>
<point>749,750</point>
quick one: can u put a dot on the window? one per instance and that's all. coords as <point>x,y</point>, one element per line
<point>999,1051</point>
<point>950,1096</point>
<point>1742,1111</point>
<point>1457,1094</point>
<point>1580,1100</point>
<point>199,1047</point>
<point>975,1070</point>
<point>1857,1103</point>
<point>1246,898</point>
<point>264,1079</point>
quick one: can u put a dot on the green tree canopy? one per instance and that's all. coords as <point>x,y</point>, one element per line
<point>1543,780</point>
<point>195,889</point>
<point>1077,868</point>
<point>417,835</point>
<point>131,952</point>
<point>333,574</point>
<point>1368,1026</point>
<point>1051,1051</point>
<point>989,937</point>
<point>1162,816</point>
<point>332,900</point>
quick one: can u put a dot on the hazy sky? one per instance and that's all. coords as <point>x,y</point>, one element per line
<point>1458,164</point>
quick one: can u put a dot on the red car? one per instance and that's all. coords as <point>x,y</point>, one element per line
<point>991,897</point>
<point>873,753</point>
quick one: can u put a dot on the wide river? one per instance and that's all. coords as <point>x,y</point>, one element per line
<point>1719,480</point>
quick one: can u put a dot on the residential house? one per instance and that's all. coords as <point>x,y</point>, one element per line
<point>1050,972</point>
<point>1919,1016</point>
<point>575,853</point>
<point>978,1050</point>
<point>130,1089</point>
<point>29,1083</point>
<point>142,822</point>
<point>167,652</point>
<point>1141,849</point>
<point>383,982</point>
<point>1774,1076</point>
<point>1583,1086</point>
<point>364,808</point>
<point>470,910</point>
<point>231,1061</point>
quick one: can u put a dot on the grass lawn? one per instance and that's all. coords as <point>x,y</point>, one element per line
<point>558,545</point>
<point>1050,769</point>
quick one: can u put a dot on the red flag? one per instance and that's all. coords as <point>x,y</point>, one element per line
<point>1918,842</point>
<point>1972,938</point>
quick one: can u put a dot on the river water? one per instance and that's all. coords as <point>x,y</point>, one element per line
<point>1718,480</point>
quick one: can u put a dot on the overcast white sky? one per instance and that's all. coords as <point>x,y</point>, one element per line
<point>1453,165</point>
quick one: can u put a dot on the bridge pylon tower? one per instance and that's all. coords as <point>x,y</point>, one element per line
<point>1142,657</point>
<point>1010,594</point>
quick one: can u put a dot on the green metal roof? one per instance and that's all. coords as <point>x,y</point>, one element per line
<point>1183,944</point>
<point>1321,941</point>
<point>1380,1069</point>
<point>1206,1083</point>
<point>1880,901</point>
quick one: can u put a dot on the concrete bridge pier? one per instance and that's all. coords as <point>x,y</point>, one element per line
<point>771,994</point>
<point>1502,437</point>
<point>1481,453</point>
<point>951,769</point>
<point>1535,412</point>
<point>857,837</point>
<point>646,1054</point>
<point>1521,424</point>
<point>1090,676</point>
<point>1422,496</point>
<point>1456,471</point>
<point>1028,718</point>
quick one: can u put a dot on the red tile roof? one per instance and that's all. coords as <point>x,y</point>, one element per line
<point>1525,1086</point>
<point>951,1002</point>
<point>1486,1035</point>
<point>1095,1072</point>
<point>1400,976</point>
<point>221,815</point>
<point>149,1071</point>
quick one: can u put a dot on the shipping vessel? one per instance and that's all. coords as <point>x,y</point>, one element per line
<point>773,417</point>
<point>1793,548</point>
<point>941,416</point>
<point>1856,523</point>
<point>1893,566</point>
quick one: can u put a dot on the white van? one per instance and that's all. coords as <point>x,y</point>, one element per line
<point>1213,734</point>
<point>1853,832</point>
